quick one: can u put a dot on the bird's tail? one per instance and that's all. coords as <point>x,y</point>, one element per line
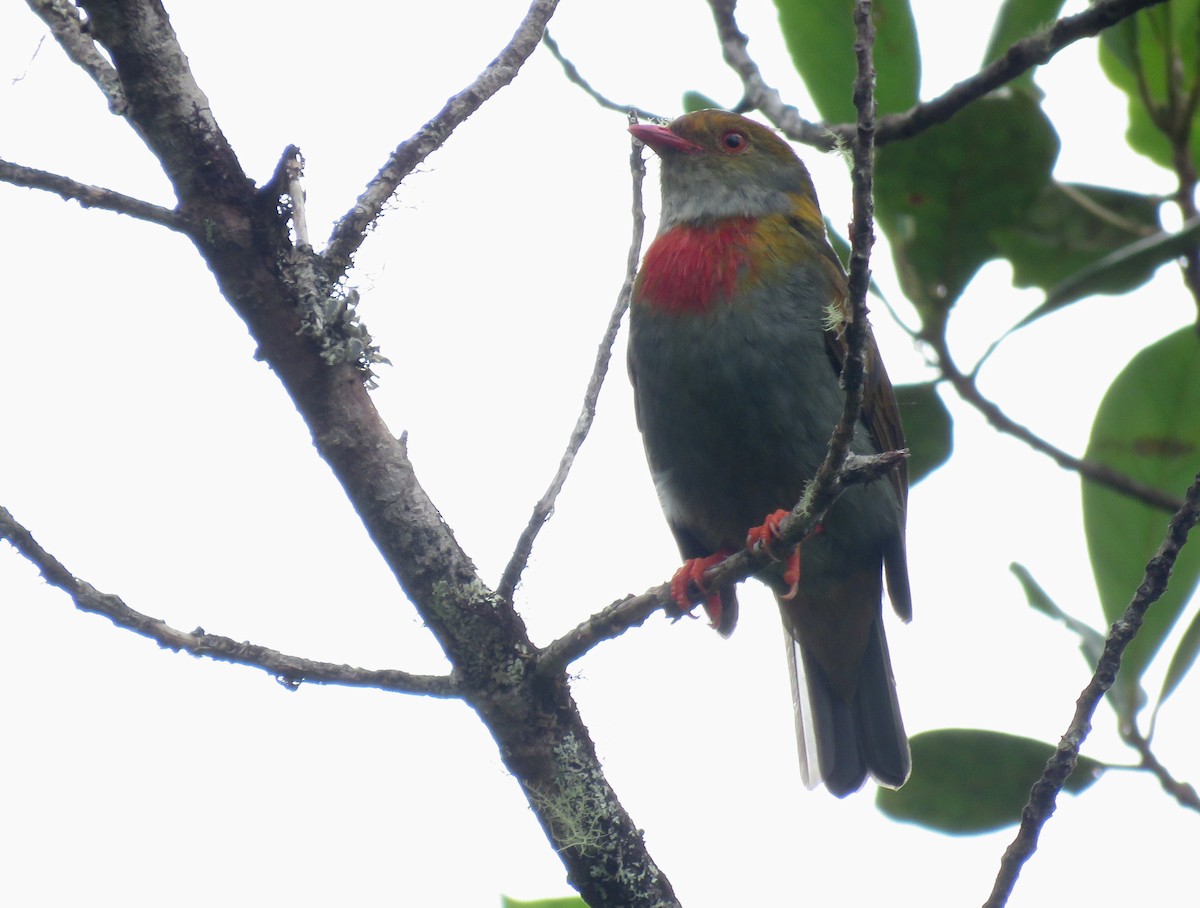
<point>843,741</point>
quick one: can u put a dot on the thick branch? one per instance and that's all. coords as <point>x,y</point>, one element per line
<point>350,231</point>
<point>290,670</point>
<point>245,241</point>
<point>89,196</point>
<point>166,107</point>
<point>71,33</point>
<point>1023,55</point>
<point>1043,796</point>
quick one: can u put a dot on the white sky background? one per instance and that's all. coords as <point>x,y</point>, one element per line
<point>143,446</point>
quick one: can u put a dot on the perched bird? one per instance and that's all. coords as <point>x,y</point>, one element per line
<point>735,353</point>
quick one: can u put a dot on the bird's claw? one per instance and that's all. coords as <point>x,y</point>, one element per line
<point>764,537</point>
<point>689,577</point>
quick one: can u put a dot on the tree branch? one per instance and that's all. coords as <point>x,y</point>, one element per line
<point>1043,796</point>
<point>289,670</point>
<point>244,239</point>
<point>1184,793</point>
<point>351,230</point>
<point>1023,55</point>
<point>999,420</point>
<point>758,95</point>
<point>830,478</point>
<point>571,71</point>
<point>90,196</point>
<point>545,506</point>
<point>615,619</point>
<point>72,34</point>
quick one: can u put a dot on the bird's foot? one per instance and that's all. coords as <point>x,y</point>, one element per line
<point>764,536</point>
<point>690,577</point>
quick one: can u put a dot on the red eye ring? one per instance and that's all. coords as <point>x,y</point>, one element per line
<point>734,141</point>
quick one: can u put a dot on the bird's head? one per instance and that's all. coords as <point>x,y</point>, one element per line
<point>717,164</point>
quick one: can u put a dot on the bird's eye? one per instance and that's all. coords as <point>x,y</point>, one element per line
<point>735,141</point>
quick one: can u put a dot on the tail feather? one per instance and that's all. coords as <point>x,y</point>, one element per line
<point>842,742</point>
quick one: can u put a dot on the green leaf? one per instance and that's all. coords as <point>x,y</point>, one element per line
<point>569,902</point>
<point>820,37</point>
<point>1148,428</point>
<point>1122,270</point>
<point>694,100</point>
<point>1153,57</point>
<point>1019,19</point>
<point>1182,661</point>
<point>1091,641</point>
<point>967,780</point>
<point>1071,226</point>
<point>928,428</point>
<point>942,195</point>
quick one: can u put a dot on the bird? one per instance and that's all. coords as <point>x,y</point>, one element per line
<point>736,345</point>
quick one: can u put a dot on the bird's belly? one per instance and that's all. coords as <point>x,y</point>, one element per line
<point>735,418</point>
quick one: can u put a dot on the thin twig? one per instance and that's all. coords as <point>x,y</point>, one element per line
<point>571,71</point>
<point>289,670</point>
<point>1043,796</point>
<point>545,506</point>
<point>611,622</point>
<point>350,231</point>
<point>90,196</point>
<point>1023,55</point>
<point>758,95</point>
<point>829,481</point>
<point>1183,792</point>
<point>999,420</point>
<point>71,32</point>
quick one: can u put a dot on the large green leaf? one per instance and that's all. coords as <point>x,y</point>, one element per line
<point>1153,57</point>
<point>928,428</point>
<point>1071,226</point>
<point>1018,19</point>
<point>568,902</point>
<point>820,37</point>
<point>1121,270</point>
<point>1147,427</point>
<point>942,195</point>
<point>969,780</point>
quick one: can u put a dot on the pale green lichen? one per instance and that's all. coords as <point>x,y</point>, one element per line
<point>804,508</point>
<point>583,813</point>
<point>449,603</point>
<point>329,315</point>
<point>833,318</point>
<point>580,807</point>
